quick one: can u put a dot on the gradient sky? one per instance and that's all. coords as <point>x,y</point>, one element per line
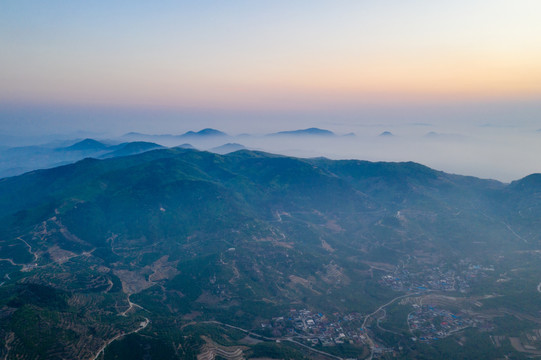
<point>274,55</point>
<point>467,69</point>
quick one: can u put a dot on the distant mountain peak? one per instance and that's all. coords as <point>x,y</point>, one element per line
<point>445,136</point>
<point>140,145</point>
<point>86,144</point>
<point>386,134</point>
<point>132,148</point>
<point>530,183</point>
<point>306,132</point>
<point>205,132</point>
<point>185,146</point>
<point>228,148</point>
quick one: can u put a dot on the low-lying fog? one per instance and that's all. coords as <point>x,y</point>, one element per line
<point>502,154</point>
<point>501,142</point>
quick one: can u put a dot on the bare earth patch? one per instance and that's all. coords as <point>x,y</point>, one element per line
<point>306,283</point>
<point>326,246</point>
<point>59,255</point>
<point>132,282</point>
<point>332,225</point>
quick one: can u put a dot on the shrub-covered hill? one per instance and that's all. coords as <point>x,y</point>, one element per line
<point>235,238</point>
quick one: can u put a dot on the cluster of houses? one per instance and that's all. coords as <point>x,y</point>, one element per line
<point>317,328</point>
<point>432,323</point>
<point>434,278</point>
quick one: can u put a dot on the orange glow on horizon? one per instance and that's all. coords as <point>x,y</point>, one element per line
<point>299,84</point>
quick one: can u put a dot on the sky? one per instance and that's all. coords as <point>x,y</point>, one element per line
<point>109,67</point>
<point>268,54</point>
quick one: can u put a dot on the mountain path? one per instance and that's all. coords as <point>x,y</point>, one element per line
<point>142,325</point>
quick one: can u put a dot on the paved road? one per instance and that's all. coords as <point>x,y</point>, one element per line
<point>369,339</point>
<point>274,339</point>
<point>142,325</point>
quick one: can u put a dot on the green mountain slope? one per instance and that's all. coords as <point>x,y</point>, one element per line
<point>190,237</point>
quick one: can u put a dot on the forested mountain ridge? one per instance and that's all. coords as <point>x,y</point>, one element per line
<point>190,236</point>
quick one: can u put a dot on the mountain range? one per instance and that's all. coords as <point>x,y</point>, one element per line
<point>204,133</point>
<point>18,160</point>
<point>173,252</point>
<point>305,132</point>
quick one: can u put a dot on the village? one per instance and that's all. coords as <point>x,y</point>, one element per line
<point>317,328</point>
<point>426,323</point>
<point>435,278</point>
<point>433,323</point>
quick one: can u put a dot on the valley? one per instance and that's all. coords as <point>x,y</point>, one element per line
<point>183,254</point>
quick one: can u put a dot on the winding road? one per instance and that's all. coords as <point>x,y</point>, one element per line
<point>371,342</point>
<point>132,305</point>
<point>248,332</point>
<point>142,325</point>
